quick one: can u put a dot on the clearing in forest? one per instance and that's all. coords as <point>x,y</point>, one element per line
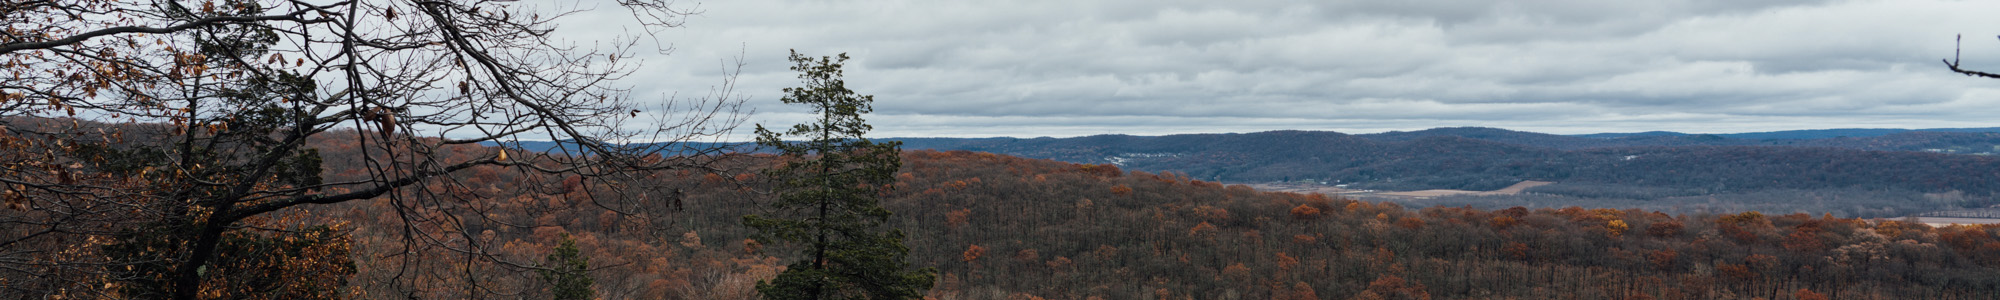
<point>1509,190</point>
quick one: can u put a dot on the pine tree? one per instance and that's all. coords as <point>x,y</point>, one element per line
<point>566,270</point>
<point>827,200</point>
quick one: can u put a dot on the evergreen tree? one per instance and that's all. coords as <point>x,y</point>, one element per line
<point>566,270</point>
<point>828,203</point>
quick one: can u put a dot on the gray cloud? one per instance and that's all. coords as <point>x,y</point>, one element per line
<point>1063,68</point>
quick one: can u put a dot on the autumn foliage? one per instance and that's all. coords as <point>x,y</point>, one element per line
<point>1305,212</point>
<point>1074,234</point>
<point>973,252</point>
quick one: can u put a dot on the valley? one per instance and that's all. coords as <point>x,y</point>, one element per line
<point>1051,150</point>
<point>1889,174</point>
<point>1307,188</point>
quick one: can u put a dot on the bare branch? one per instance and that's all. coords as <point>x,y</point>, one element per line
<point>79,38</point>
<point>1953,62</point>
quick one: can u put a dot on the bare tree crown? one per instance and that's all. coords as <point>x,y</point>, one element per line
<point>221,100</point>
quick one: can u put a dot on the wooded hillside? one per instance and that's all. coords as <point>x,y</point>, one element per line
<point>1604,172</point>
<point>1000,227</point>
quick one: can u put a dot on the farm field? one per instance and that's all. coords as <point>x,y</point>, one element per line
<point>1331,190</point>
<point>1948,221</point>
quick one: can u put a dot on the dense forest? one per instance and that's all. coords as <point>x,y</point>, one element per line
<point>1799,134</point>
<point>1953,140</point>
<point>1883,173</point>
<point>1000,227</point>
<point>1003,227</point>
<point>1480,159</point>
<point>1891,177</point>
<point>367,149</point>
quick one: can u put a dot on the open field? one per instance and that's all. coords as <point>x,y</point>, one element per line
<point>1302,188</point>
<point>1947,221</point>
<point>1429,193</point>
<point>1517,188</point>
<point>1509,190</point>
<point>1331,190</point>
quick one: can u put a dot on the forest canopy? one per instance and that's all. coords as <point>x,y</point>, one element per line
<point>180,149</point>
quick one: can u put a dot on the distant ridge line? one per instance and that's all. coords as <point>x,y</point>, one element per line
<point>1798,134</point>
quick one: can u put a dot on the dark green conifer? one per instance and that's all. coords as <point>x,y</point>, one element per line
<point>827,203</point>
<point>567,272</point>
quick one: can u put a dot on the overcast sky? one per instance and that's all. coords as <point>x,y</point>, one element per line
<point>1028,68</point>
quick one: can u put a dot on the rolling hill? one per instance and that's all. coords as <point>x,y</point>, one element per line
<point>1886,175</point>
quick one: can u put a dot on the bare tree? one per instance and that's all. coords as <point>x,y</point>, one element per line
<point>168,128</point>
<point>1953,64</point>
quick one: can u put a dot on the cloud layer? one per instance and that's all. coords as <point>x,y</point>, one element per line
<point>1066,68</point>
